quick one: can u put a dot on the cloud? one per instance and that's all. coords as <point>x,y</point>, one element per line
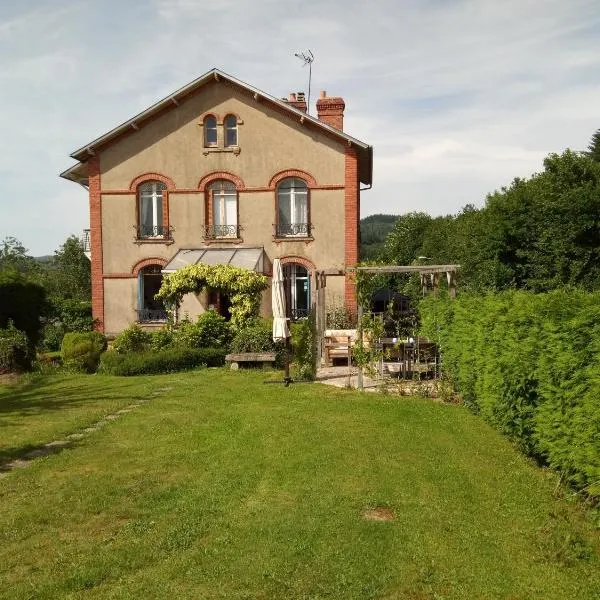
<point>457,96</point>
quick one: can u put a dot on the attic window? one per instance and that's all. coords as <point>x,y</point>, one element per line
<point>210,131</point>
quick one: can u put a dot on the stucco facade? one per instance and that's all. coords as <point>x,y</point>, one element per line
<point>274,143</point>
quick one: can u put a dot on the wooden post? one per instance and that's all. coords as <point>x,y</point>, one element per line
<point>349,361</point>
<point>359,382</point>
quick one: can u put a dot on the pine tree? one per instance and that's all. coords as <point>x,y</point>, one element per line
<point>593,150</point>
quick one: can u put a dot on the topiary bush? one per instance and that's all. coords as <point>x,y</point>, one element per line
<point>210,330</point>
<point>14,350</point>
<point>163,361</point>
<point>81,350</point>
<point>132,339</point>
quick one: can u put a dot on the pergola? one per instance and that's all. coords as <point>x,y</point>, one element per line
<point>430,276</point>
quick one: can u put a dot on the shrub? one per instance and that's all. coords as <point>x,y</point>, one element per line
<point>23,303</point>
<point>304,348</point>
<point>211,330</point>
<point>529,364</point>
<point>14,349</point>
<point>340,317</point>
<point>132,339</point>
<point>81,350</point>
<point>257,336</point>
<point>164,361</point>
<point>161,339</point>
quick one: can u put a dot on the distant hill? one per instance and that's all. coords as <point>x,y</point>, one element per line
<point>373,231</point>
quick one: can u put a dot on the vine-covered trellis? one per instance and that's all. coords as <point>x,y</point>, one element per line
<point>243,286</point>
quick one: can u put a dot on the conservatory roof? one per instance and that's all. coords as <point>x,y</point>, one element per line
<point>253,258</point>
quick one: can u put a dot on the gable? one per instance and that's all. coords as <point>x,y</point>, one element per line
<point>214,79</point>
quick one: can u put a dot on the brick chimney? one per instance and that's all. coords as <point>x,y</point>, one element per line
<point>331,110</point>
<point>297,100</point>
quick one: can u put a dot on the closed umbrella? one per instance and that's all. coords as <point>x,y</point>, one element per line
<point>281,330</point>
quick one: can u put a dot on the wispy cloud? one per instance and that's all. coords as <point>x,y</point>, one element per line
<point>456,96</point>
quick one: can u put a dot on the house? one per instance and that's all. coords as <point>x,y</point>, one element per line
<point>220,172</point>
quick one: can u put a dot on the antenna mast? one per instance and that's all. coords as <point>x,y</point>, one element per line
<point>307,58</point>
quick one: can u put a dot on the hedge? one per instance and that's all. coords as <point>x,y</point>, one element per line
<point>164,361</point>
<point>81,350</point>
<point>530,364</point>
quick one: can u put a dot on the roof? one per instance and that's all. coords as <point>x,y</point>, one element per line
<point>79,175</point>
<point>253,258</point>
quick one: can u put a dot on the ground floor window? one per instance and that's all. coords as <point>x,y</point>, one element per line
<point>149,308</point>
<point>220,303</point>
<point>297,287</point>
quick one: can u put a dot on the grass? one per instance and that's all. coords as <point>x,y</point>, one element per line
<point>223,487</point>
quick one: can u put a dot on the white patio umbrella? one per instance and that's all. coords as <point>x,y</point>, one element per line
<point>281,330</point>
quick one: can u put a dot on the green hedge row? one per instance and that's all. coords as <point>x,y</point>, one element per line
<point>530,364</point>
<point>163,361</point>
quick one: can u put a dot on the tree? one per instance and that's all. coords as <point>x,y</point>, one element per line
<point>14,257</point>
<point>73,270</point>
<point>593,150</point>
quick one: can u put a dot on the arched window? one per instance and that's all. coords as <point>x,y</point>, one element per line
<point>210,131</point>
<point>151,210</point>
<point>292,208</point>
<point>150,310</point>
<point>231,132</point>
<point>222,210</point>
<point>297,288</point>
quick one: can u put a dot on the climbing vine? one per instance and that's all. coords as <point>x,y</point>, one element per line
<point>244,287</point>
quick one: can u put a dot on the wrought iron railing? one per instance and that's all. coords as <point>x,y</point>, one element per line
<point>293,230</point>
<point>214,232</point>
<point>144,232</point>
<point>85,241</point>
<point>296,314</point>
<point>151,315</point>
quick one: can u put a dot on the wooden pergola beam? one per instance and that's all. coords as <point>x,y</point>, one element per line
<point>423,269</point>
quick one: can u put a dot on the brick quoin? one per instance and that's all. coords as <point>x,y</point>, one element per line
<point>96,242</point>
<point>351,224</point>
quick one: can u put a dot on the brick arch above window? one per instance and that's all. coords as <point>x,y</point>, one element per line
<point>147,262</point>
<point>205,116</point>
<point>310,180</point>
<point>151,177</point>
<point>298,260</point>
<point>208,179</point>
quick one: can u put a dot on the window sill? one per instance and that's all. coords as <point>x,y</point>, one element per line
<point>294,238</point>
<point>232,149</point>
<point>223,240</point>
<point>156,240</point>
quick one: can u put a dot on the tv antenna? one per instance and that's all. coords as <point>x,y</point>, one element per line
<point>307,58</point>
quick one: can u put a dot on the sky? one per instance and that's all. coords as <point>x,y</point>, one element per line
<point>457,97</point>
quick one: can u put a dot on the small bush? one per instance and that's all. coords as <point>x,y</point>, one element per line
<point>165,361</point>
<point>81,350</point>
<point>340,317</point>
<point>211,330</point>
<point>304,348</point>
<point>161,339</point>
<point>258,337</point>
<point>132,339</point>
<point>14,350</point>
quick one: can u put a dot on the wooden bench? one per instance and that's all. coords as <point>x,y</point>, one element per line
<point>262,358</point>
<point>337,344</point>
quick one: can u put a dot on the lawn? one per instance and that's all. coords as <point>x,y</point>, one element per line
<point>223,487</point>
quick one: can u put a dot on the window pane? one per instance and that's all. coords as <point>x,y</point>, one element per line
<point>231,137</point>
<point>210,131</point>
<point>230,210</point>
<point>146,220</point>
<point>217,213</point>
<point>285,210</point>
<point>300,209</point>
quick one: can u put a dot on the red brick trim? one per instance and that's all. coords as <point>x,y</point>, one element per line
<point>246,190</point>
<point>96,242</point>
<point>118,276</point>
<point>151,177</point>
<point>351,223</point>
<point>310,180</point>
<point>146,262</point>
<point>299,260</point>
<point>205,116</point>
<point>208,179</point>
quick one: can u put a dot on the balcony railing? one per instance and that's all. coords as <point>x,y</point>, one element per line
<point>150,315</point>
<point>293,230</point>
<point>217,232</point>
<point>296,314</point>
<point>85,241</point>
<point>149,232</point>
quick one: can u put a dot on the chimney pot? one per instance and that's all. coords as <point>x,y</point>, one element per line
<point>323,94</point>
<point>292,97</point>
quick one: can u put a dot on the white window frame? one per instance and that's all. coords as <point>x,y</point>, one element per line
<point>220,192</point>
<point>296,194</point>
<point>214,120</point>
<point>154,191</point>
<point>227,128</point>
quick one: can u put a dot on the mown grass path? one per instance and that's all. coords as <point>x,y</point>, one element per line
<point>223,487</point>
